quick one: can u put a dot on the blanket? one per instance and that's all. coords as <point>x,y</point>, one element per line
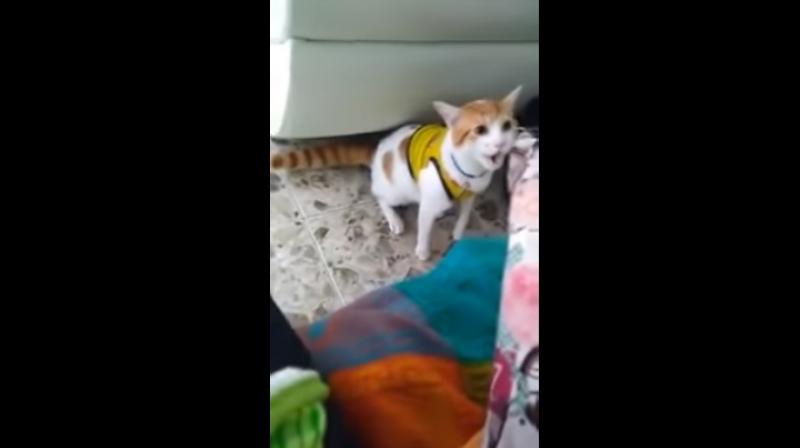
<point>450,359</point>
<point>410,365</point>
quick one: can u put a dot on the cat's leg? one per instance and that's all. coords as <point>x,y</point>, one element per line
<point>463,217</point>
<point>384,189</point>
<point>430,209</point>
<point>427,218</point>
<point>433,203</point>
<point>396,224</point>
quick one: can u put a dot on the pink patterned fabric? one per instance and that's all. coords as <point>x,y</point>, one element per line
<point>514,399</point>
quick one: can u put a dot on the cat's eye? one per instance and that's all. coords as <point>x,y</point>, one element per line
<point>507,126</point>
<point>481,130</point>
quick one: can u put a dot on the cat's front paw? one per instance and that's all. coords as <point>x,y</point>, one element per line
<point>423,253</point>
<point>397,226</point>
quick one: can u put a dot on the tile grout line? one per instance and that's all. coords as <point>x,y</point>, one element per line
<point>318,247</point>
<point>286,190</point>
<point>287,308</point>
<point>304,220</point>
<point>328,270</point>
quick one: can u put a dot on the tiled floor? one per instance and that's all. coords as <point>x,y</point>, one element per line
<point>329,242</point>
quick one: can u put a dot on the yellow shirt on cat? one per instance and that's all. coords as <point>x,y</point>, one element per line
<point>426,147</point>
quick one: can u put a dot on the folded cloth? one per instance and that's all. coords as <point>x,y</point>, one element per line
<point>410,365</point>
<point>296,414</point>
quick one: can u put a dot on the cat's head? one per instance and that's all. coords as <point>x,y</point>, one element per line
<point>484,129</point>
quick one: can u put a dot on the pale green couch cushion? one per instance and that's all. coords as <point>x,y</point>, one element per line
<point>404,20</point>
<point>320,89</point>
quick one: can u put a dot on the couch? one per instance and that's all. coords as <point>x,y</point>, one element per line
<point>342,67</point>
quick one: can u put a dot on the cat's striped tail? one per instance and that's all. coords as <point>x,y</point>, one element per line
<point>332,155</point>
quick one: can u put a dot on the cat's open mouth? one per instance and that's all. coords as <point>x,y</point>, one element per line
<point>495,161</point>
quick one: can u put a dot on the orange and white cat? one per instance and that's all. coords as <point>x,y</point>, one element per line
<point>434,166</point>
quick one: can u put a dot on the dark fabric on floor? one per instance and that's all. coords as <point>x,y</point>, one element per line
<point>285,348</point>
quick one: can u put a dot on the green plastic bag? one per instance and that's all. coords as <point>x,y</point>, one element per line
<point>297,416</point>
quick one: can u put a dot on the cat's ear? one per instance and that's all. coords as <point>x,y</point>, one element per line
<point>509,103</point>
<point>448,112</point>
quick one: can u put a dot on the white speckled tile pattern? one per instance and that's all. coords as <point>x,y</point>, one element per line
<point>329,242</point>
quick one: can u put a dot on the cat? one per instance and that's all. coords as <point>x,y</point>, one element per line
<point>435,166</point>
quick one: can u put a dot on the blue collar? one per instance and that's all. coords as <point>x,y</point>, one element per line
<point>464,173</point>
